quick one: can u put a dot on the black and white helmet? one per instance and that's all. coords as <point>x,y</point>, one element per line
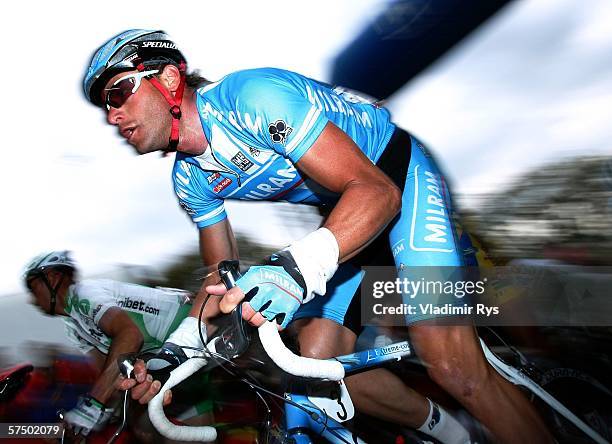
<point>45,261</point>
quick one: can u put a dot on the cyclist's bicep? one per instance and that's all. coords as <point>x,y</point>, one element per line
<point>335,161</point>
<point>116,321</point>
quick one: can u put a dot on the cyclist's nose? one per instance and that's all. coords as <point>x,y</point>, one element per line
<point>113,116</point>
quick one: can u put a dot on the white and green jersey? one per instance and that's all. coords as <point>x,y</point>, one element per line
<point>156,311</point>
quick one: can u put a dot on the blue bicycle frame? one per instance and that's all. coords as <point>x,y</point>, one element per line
<point>298,422</point>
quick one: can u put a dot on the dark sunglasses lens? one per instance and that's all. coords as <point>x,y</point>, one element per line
<point>118,94</point>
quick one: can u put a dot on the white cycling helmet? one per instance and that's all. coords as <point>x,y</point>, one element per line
<point>45,261</point>
<point>48,260</point>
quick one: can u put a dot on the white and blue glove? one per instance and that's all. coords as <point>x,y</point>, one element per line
<point>276,289</point>
<point>291,277</point>
<point>89,414</point>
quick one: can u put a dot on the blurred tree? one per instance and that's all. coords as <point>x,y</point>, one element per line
<point>559,211</point>
<point>187,271</point>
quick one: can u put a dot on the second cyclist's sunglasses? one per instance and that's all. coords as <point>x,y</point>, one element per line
<point>124,87</point>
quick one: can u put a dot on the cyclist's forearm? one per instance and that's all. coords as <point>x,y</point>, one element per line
<point>212,303</point>
<point>217,243</point>
<point>129,341</point>
<point>362,212</point>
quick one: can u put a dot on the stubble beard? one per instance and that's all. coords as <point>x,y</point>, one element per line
<point>155,132</point>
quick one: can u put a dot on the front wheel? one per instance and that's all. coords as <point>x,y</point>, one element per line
<point>586,397</point>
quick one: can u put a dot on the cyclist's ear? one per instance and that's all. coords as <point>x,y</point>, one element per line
<point>170,77</point>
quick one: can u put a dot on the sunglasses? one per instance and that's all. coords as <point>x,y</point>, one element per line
<point>124,87</point>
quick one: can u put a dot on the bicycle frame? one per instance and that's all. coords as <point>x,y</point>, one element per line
<point>298,422</point>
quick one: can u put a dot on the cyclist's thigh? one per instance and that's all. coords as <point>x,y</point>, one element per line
<point>425,233</point>
<point>323,338</point>
<point>329,325</point>
<point>340,302</point>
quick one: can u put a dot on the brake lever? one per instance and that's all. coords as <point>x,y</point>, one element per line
<point>126,363</point>
<point>233,338</point>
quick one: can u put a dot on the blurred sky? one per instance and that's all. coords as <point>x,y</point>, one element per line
<point>533,84</point>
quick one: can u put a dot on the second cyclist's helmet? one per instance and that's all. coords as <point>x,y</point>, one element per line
<point>42,262</point>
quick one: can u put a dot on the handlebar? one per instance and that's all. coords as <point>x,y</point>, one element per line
<point>231,342</point>
<point>294,364</point>
<point>156,408</point>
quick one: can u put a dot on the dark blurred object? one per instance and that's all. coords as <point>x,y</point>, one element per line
<point>560,211</point>
<point>404,40</point>
<point>38,392</point>
<point>12,379</point>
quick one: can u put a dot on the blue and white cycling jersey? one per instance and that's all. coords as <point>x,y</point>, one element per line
<point>258,124</point>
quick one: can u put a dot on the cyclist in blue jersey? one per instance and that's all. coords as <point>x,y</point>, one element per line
<point>270,134</point>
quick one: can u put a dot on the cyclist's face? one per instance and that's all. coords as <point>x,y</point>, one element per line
<point>143,119</point>
<point>40,294</point>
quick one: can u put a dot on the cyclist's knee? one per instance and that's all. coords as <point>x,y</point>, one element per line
<point>453,359</point>
<point>317,349</point>
<point>458,377</point>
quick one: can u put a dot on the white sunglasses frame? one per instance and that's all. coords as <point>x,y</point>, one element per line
<point>137,76</point>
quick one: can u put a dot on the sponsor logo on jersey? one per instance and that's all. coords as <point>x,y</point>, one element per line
<point>238,120</point>
<point>241,161</point>
<point>352,96</point>
<point>279,131</point>
<point>421,147</point>
<point>274,183</point>
<point>167,45</point>
<point>222,185</point>
<point>213,177</point>
<point>436,212</point>
<point>138,306</point>
<point>96,310</point>
<point>80,305</point>
<point>393,348</point>
<point>96,334</point>
<point>338,104</point>
<point>187,208</point>
<point>254,151</point>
